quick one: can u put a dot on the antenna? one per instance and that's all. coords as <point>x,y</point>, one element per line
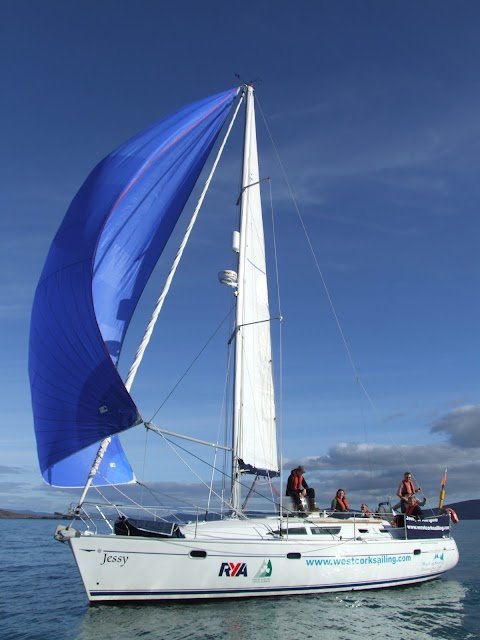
<point>249,83</point>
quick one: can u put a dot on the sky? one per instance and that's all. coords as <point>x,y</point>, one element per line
<point>374,109</point>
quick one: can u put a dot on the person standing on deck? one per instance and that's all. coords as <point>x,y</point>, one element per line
<point>405,489</point>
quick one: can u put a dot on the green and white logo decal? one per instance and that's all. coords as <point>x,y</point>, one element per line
<point>264,573</point>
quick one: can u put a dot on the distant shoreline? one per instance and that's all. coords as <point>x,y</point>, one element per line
<point>15,515</point>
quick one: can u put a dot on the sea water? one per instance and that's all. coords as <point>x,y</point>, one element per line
<point>42,598</point>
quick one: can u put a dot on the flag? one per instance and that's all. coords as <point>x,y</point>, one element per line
<point>442,491</point>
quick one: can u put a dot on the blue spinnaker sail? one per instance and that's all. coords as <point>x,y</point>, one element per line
<point>100,260</point>
<point>73,471</point>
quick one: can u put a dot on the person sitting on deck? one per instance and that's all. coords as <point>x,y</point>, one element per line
<point>413,507</point>
<point>298,488</point>
<point>365,510</point>
<point>340,503</point>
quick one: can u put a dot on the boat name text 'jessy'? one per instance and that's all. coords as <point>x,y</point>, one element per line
<point>122,560</point>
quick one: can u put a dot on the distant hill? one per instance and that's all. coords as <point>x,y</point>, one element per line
<point>13,514</point>
<point>466,510</point>
<point>4,513</point>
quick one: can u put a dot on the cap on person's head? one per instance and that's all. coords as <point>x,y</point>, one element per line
<point>301,469</point>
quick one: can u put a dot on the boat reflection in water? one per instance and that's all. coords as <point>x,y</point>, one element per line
<point>433,610</point>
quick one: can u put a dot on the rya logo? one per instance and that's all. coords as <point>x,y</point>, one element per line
<point>233,570</point>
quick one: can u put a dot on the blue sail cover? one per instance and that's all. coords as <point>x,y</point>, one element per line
<point>98,265</point>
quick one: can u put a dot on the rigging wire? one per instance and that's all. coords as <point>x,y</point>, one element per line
<point>172,390</point>
<point>279,417</point>
<point>179,381</point>
<point>168,282</point>
<point>312,251</point>
<point>140,505</point>
<point>127,497</point>
<point>353,366</point>
<point>189,467</point>
<point>222,413</point>
<point>228,476</point>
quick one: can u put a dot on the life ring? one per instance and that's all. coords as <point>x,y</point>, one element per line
<point>453,516</point>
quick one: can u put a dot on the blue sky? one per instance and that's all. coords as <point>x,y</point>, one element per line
<point>374,109</point>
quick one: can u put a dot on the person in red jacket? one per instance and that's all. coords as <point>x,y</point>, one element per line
<point>340,503</point>
<point>298,488</point>
<point>405,489</point>
<point>365,510</point>
<point>413,507</point>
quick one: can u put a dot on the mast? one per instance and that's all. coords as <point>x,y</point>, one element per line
<point>239,318</point>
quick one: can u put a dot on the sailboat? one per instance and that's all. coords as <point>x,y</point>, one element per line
<point>101,258</point>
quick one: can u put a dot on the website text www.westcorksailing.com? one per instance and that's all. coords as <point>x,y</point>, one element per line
<point>333,562</point>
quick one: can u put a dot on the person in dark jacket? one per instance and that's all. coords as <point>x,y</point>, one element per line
<point>298,488</point>
<point>414,507</point>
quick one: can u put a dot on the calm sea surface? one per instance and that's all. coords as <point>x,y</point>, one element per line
<point>42,597</point>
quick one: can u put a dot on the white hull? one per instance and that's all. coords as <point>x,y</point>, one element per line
<point>252,562</point>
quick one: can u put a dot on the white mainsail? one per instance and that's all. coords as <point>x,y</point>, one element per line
<point>255,440</point>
